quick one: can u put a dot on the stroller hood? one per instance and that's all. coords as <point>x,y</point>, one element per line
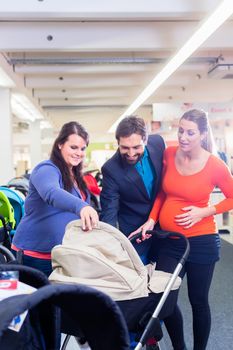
<point>104,259</point>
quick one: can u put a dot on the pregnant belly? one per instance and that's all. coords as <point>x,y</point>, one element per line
<point>171,208</point>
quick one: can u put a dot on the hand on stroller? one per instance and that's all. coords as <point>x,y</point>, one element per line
<point>149,225</point>
<point>89,218</point>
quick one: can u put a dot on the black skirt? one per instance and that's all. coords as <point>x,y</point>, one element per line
<point>204,249</point>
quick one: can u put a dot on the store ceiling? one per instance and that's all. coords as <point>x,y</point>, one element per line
<point>89,60</point>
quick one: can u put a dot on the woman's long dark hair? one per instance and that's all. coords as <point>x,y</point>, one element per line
<point>56,157</point>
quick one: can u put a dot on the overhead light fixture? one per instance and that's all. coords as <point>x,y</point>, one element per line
<point>221,71</point>
<point>23,108</point>
<point>208,27</point>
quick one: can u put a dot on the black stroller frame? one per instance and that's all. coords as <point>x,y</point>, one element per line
<point>41,329</point>
<point>59,295</point>
<point>42,326</point>
<point>153,324</point>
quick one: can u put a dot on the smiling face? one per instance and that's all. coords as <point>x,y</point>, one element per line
<point>189,136</point>
<point>73,150</point>
<point>131,148</point>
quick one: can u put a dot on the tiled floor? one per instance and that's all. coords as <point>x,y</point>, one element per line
<point>227,237</point>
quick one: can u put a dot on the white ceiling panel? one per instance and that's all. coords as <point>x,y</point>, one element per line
<point>90,60</point>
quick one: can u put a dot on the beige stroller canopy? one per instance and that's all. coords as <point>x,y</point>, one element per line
<point>105,259</point>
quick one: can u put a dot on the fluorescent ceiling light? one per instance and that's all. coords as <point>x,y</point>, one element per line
<point>23,108</point>
<point>5,81</point>
<point>208,27</point>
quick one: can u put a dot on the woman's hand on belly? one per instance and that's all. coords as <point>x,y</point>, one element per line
<point>193,215</point>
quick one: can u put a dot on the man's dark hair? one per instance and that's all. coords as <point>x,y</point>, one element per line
<point>131,125</point>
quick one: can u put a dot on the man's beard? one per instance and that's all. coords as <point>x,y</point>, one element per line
<point>133,161</point>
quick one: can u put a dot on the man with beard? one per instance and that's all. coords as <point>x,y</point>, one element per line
<point>131,178</point>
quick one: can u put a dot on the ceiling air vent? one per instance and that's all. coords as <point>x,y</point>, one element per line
<point>23,125</point>
<point>221,71</point>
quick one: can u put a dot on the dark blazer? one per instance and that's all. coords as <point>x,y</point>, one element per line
<point>124,199</point>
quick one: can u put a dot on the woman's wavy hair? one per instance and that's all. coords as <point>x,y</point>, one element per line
<point>57,158</point>
<point>199,117</point>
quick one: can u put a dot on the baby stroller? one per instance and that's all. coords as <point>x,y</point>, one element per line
<point>7,220</point>
<point>20,183</point>
<point>119,272</point>
<point>41,327</point>
<point>17,203</point>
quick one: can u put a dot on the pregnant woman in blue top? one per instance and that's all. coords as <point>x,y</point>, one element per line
<point>57,195</point>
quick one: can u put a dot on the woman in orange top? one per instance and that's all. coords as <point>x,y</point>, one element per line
<point>190,174</point>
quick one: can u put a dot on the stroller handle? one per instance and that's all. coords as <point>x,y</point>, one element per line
<point>166,234</point>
